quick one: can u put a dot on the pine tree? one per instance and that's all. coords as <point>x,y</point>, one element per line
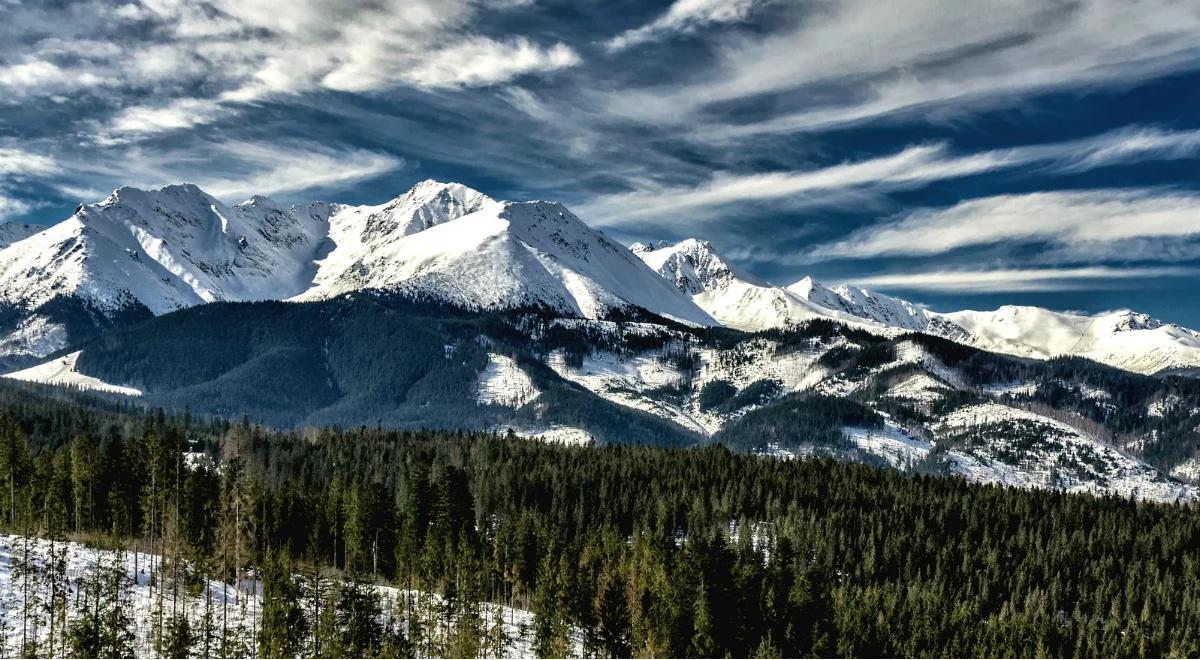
<point>284,627</point>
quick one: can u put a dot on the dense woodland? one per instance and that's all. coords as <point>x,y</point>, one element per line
<point>639,550</point>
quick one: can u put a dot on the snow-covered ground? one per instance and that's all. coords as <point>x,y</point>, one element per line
<point>988,445</point>
<point>890,443</point>
<point>634,381</point>
<point>503,383</point>
<point>918,388</point>
<point>61,371</point>
<point>1188,470</point>
<point>552,433</point>
<point>243,604</point>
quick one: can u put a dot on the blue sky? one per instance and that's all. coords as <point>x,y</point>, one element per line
<point>961,154</point>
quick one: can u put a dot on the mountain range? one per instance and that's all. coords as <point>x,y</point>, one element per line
<point>445,308</point>
<point>140,253</point>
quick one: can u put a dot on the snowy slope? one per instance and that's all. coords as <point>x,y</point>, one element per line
<point>61,371</point>
<point>510,254</point>
<point>994,443</point>
<point>241,603</point>
<point>356,233</point>
<point>163,249</point>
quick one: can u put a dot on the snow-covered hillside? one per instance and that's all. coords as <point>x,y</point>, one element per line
<point>236,608</point>
<point>11,232</point>
<point>61,371</point>
<point>1123,339</point>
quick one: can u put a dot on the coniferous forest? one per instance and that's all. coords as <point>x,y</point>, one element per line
<point>617,551</point>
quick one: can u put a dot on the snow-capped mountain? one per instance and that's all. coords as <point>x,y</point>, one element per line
<point>729,295</point>
<point>140,253</point>
<point>1123,339</point>
<point>358,233</point>
<point>513,254</point>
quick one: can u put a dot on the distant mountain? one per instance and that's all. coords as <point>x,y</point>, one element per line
<point>11,232</point>
<point>1124,339</point>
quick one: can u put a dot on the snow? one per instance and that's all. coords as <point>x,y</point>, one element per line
<point>918,388</point>
<point>631,381</point>
<point>244,601</point>
<point>890,443</point>
<point>61,371</point>
<point>554,434</point>
<point>732,297</point>
<point>1062,457</point>
<point>503,383</point>
<point>1188,470</point>
<point>34,335</point>
<point>1160,407</point>
<point>11,232</point>
<point>507,255</point>
<point>165,249</point>
<point>177,246</point>
<point>1122,339</point>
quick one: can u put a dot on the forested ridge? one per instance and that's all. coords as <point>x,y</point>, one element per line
<point>641,550</point>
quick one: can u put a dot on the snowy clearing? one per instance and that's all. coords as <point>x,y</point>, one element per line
<point>61,371</point>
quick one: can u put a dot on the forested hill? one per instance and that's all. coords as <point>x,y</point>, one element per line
<point>914,402</point>
<point>641,550</point>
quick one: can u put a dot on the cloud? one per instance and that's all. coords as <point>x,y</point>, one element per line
<point>243,168</point>
<point>473,62</point>
<point>1021,279</point>
<point>682,16</point>
<point>277,170</point>
<point>1091,219</point>
<point>11,207</point>
<point>913,167</point>
<point>19,162</point>
<point>855,60</point>
<point>168,65</point>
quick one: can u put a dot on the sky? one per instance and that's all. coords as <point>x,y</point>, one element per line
<point>959,153</point>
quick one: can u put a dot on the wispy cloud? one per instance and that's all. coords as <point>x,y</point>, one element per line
<point>913,167</point>
<point>1020,279</point>
<point>173,65</point>
<point>683,16</point>
<point>283,168</point>
<point>16,162</point>
<point>866,60</point>
<point>1088,218</point>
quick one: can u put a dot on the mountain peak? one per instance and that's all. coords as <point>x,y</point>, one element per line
<point>692,264</point>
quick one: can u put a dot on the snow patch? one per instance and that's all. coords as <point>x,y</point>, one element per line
<point>61,371</point>
<point>503,383</point>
